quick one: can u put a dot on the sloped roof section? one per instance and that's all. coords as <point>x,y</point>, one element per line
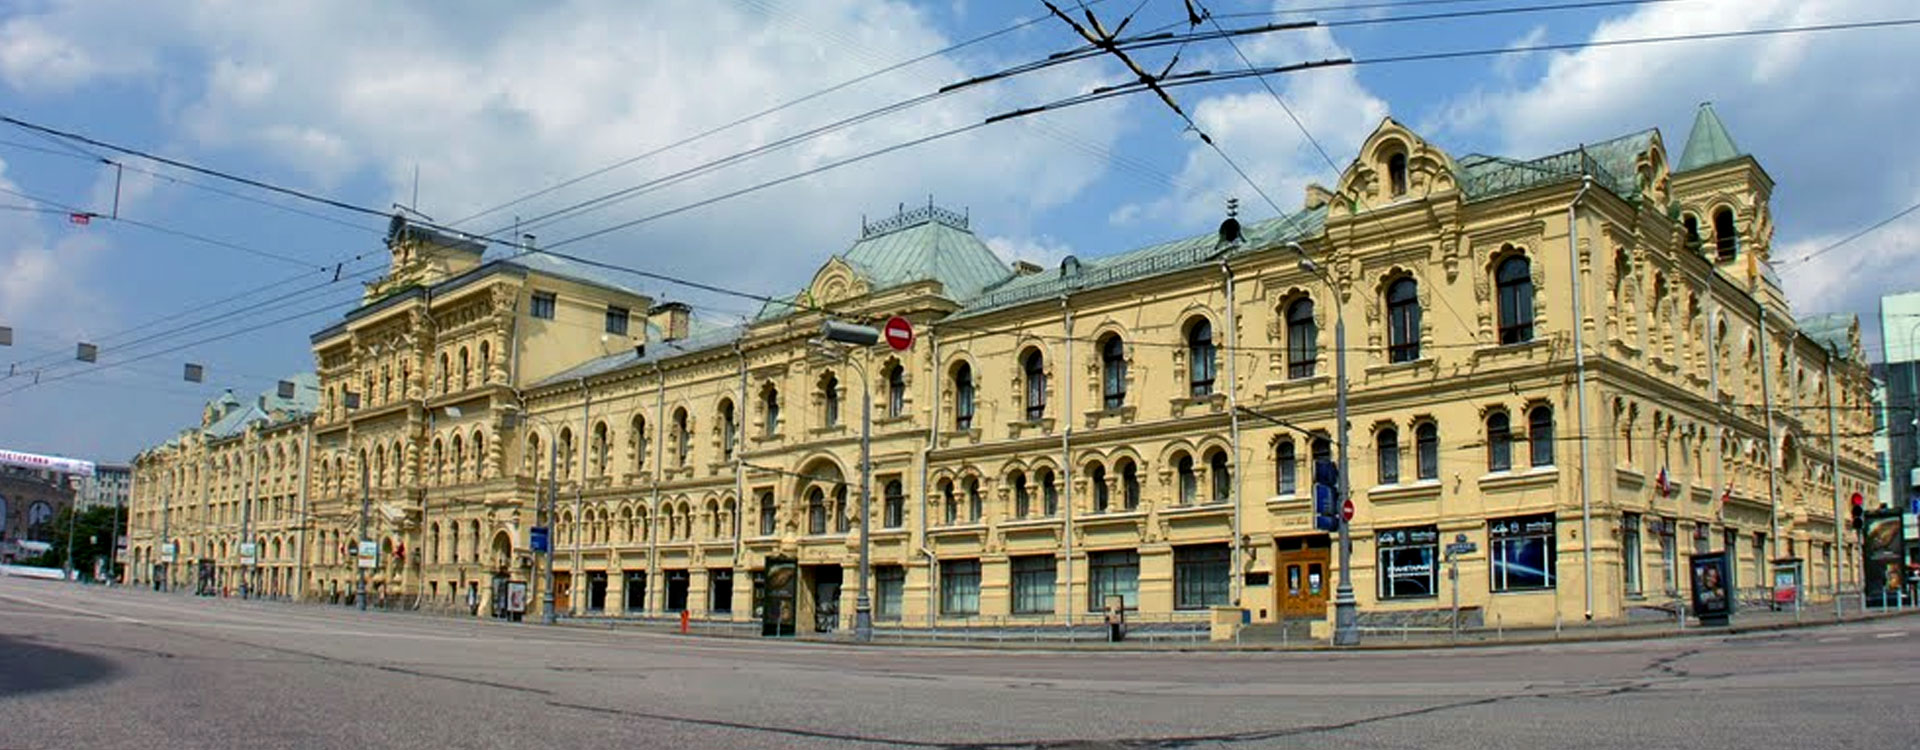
<point>1831,330</point>
<point>554,265</point>
<point>1076,274</point>
<point>1708,143</point>
<point>703,339</point>
<point>1610,163</point>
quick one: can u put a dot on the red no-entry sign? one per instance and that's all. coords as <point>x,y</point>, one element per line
<point>899,333</point>
<point>1346,509</point>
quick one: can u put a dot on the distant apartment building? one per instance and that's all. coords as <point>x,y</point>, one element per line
<point>107,488</point>
<point>1898,372</point>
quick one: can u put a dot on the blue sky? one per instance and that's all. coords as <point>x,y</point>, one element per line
<point>349,99</point>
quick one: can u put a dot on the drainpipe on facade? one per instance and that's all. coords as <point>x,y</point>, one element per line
<point>739,464</point>
<point>659,472</point>
<point>1833,460</point>
<point>1066,445</point>
<point>1233,429</point>
<point>1580,390</point>
<point>1773,457</point>
<point>300,558</point>
<point>926,459</point>
<point>576,578</point>
<point>246,516</point>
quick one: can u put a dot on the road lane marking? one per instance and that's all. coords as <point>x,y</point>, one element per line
<point>1890,635</point>
<point>1833,640</point>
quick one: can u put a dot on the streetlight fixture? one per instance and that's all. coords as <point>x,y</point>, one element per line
<point>853,336</point>
<point>1346,625</point>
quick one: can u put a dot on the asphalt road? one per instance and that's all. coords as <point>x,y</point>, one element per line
<point>99,668</point>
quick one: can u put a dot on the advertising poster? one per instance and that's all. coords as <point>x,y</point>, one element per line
<point>1712,588</point>
<point>1882,541</point>
<point>778,618</point>
<point>517,597</point>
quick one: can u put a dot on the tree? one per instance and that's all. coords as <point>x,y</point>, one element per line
<point>93,538</point>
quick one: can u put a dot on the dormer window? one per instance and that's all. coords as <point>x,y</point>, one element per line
<point>1397,174</point>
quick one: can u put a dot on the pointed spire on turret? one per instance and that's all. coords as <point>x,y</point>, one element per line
<point>1708,143</point>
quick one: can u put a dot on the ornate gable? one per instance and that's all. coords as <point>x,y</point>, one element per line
<point>837,280</point>
<point>1394,164</point>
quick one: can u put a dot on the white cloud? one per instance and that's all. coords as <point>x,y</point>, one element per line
<point>41,292</point>
<point>1508,66</point>
<point>492,102</point>
<point>1044,250</point>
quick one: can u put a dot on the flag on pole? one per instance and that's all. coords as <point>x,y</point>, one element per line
<point>80,218</point>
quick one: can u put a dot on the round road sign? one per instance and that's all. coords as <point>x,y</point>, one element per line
<point>1346,509</point>
<point>899,333</point>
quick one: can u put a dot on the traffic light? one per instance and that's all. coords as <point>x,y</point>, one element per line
<point>1326,496</point>
<point>1859,516</point>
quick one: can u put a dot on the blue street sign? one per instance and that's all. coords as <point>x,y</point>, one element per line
<point>1327,523</point>
<point>537,538</point>
<point>1326,472</point>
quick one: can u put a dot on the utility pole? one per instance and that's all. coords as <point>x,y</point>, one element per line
<point>553,498</point>
<point>366,506</point>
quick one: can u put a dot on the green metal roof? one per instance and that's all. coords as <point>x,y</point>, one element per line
<point>1610,163</point>
<point>1076,274</point>
<point>1708,143</point>
<point>1831,330</point>
<point>926,243</point>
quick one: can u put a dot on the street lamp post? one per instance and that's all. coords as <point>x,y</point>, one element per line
<point>1346,625</point>
<point>859,336</point>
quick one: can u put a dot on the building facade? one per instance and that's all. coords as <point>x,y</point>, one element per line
<point>107,488</point>
<point>1578,362</point>
<point>30,500</point>
<point>1900,374</point>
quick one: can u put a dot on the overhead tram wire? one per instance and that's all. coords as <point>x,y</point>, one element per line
<point>1870,229</point>
<point>90,215</point>
<point>775,109</point>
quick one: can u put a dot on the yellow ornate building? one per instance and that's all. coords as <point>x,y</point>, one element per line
<point>1579,362</point>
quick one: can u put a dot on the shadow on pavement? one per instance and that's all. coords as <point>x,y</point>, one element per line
<point>31,668</point>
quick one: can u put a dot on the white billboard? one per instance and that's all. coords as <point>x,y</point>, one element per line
<point>46,463</point>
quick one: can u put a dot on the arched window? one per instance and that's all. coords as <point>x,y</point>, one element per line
<point>1515,281</point>
<point>1097,476</point>
<point>728,428</point>
<point>963,396</point>
<point>829,400</point>
<point>486,360</point>
<point>1286,468</point>
<point>1321,449</point>
<point>1387,443</point>
<point>465,369</point>
<point>1022,502</point>
<point>1540,434</point>
<point>896,390</point>
<point>1499,441</point>
<point>1113,371</point>
<point>1049,494</point>
<point>770,408</point>
<point>602,447</point>
<point>841,519</point>
<point>1034,366</point>
<point>1726,241</point>
<point>1302,339</point>
<point>769,513</point>
<point>566,452</point>
<point>816,510</point>
<point>479,455</point>
<point>459,456</point>
<point>1397,174</point>
<point>950,506</point>
<point>1403,320</point>
<point>446,373</point>
<point>1130,485</point>
<point>1189,482</point>
<point>1692,226</point>
<point>895,514</point>
<point>974,510</point>
<point>1200,357</point>
<point>439,462</point>
<point>682,438</point>
<point>1426,439</point>
<point>1222,476</point>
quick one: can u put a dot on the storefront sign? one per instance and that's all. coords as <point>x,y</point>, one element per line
<point>38,462</point>
<point>1407,562</point>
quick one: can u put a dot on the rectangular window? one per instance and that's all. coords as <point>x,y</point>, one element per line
<point>1033,584</point>
<point>1760,558</point>
<point>543,305</point>
<point>1113,573</point>
<point>1200,575</point>
<point>676,590</point>
<point>617,320</point>
<point>959,587</point>
<point>1522,551</point>
<point>890,587</point>
<point>1669,553</point>
<point>636,591</point>
<point>720,590</point>
<point>1630,550</point>
<point>1407,562</point>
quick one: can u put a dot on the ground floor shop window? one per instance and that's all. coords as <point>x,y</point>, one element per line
<point>1407,562</point>
<point>1033,584</point>
<point>1113,573</point>
<point>1630,551</point>
<point>596,591</point>
<point>890,587</point>
<point>1522,551</point>
<point>636,591</point>
<point>1200,576</point>
<point>676,590</point>
<point>720,590</point>
<point>1669,553</point>
<point>959,587</point>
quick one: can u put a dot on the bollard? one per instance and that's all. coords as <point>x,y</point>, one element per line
<point>686,621</point>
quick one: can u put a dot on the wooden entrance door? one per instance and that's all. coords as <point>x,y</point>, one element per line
<point>1302,580</point>
<point>562,592</point>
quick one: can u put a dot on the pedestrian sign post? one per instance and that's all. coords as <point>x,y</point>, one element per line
<point>369,553</point>
<point>537,539</point>
<point>249,552</point>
